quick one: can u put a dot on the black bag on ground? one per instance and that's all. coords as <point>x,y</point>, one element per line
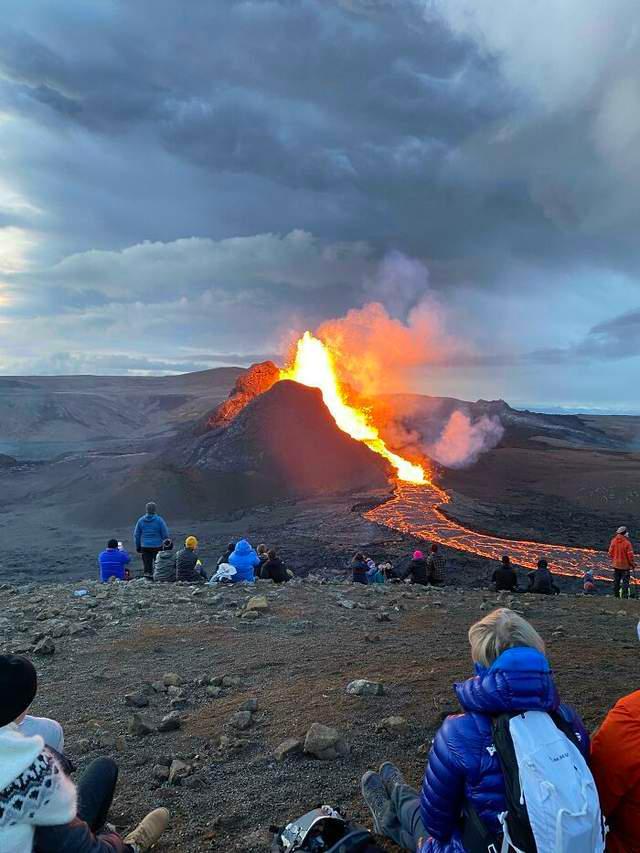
<point>322,830</point>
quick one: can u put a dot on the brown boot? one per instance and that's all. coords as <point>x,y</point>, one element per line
<point>149,830</point>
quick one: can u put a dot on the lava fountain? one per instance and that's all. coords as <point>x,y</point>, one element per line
<point>416,505</point>
<point>313,366</point>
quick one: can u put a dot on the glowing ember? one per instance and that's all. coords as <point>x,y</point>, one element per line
<point>313,366</point>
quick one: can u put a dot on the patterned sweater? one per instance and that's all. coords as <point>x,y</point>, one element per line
<point>33,790</point>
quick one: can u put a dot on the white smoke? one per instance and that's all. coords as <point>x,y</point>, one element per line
<point>462,441</point>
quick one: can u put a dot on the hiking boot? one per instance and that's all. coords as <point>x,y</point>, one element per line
<point>148,831</point>
<point>376,797</point>
<point>390,775</point>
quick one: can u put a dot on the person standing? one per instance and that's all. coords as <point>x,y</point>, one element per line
<point>149,534</point>
<point>622,562</point>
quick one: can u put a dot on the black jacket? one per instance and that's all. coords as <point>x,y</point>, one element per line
<point>505,578</point>
<point>186,571</point>
<point>274,570</point>
<point>541,581</point>
<point>418,571</point>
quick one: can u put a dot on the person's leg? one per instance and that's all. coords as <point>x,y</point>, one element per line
<point>148,559</point>
<point>95,792</point>
<point>626,580</point>
<point>617,576</point>
<point>49,730</point>
<point>405,825</point>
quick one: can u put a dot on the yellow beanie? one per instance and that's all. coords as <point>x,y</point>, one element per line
<point>191,542</point>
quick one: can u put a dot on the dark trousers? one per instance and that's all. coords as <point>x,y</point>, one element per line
<point>621,579</point>
<point>96,788</point>
<point>402,821</point>
<point>148,559</point>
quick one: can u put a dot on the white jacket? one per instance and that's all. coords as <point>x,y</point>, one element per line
<point>33,790</point>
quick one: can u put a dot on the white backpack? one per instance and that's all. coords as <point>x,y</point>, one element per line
<point>556,786</point>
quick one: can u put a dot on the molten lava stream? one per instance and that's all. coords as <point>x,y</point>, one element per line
<point>414,510</point>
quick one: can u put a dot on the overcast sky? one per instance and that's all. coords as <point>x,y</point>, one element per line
<point>187,184</point>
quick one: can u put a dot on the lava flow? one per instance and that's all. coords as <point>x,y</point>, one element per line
<point>416,511</point>
<point>313,366</point>
<point>415,507</point>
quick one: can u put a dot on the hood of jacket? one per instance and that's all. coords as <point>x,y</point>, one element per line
<point>520,679</point>
<point>243,548</point>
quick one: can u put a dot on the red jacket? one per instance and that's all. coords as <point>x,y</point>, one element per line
<point>621,552</point>
<point>615,762</point>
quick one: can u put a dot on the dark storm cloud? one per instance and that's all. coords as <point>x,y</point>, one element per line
<point>204,168</point>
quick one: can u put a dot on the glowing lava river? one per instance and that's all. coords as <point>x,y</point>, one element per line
<point>415,507</point>
<point>415,510</point>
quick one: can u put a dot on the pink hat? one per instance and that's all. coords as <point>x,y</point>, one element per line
<point>418,555</point>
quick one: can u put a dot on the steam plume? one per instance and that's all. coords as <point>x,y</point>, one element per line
<point>462,441</point>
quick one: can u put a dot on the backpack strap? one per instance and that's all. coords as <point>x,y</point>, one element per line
<point>476,838</point>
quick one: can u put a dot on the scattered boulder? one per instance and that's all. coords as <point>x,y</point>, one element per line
<point>46,646</point>
<point>290,746</point>
<point>325,743</point>
<point>178,771</point>
<point>137,699</point>
<point>383,616</point>
<point>138,727</point>
<point>250,615</point>
<point>241,720</point>
<point>160,773</point>
<point>258,603</point>
<point>171,679</point>
<point>250,705</point>
<point>231,681</point>
<point>170,723</point>
<point>392,724</point>
<point>362,687</point>
<point>213,691</point>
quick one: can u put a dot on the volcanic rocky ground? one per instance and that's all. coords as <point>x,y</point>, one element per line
<point>237,677</point>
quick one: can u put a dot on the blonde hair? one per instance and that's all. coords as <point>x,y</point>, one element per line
<point>503,629</point>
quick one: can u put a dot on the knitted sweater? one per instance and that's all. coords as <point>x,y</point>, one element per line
<point>33,790</point>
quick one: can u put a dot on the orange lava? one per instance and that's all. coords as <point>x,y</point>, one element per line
<point>313,366</point>
<point>415,510</point>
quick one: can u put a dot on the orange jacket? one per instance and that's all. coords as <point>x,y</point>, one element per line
<point>621,552</point>
<point>615,762</point>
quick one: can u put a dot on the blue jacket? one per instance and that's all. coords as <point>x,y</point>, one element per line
<point>150,531</point>
<point>112,563</point>
<point>244,560</point>
<point>461,767</point>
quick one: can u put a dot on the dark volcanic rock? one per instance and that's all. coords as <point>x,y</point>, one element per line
<point>284,443</point>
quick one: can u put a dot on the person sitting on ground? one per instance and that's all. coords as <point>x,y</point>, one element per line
<point>224,558</point>
<point>359,569</point>
<point>505,576</point>
<point>263,556</point>
<point>435,566</point>
<point>417,572</point>
<point>113,562</point>
<point>273,569</point>
<point>588,582</point>
<point>245,561</point>
<point>188,566</point>
<point>622,562</point>
<point>149,534</point>
<point>164,568</point>
<point>381,573</point>
<point>40,808</point>
<point>464,772</point>
<point>541,580</point>
<point>615,752</point>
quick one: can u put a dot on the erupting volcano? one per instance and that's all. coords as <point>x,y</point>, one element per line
<point>313,366</point>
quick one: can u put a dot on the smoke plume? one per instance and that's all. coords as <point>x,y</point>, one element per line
<point>462,441</point>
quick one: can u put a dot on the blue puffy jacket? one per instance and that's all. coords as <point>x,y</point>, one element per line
<point>244,560</point>
<point>112,564</point>
<point>150,531</point>
<point>463,767</point>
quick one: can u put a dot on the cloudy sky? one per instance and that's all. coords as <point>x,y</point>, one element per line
<point>184,185</point>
